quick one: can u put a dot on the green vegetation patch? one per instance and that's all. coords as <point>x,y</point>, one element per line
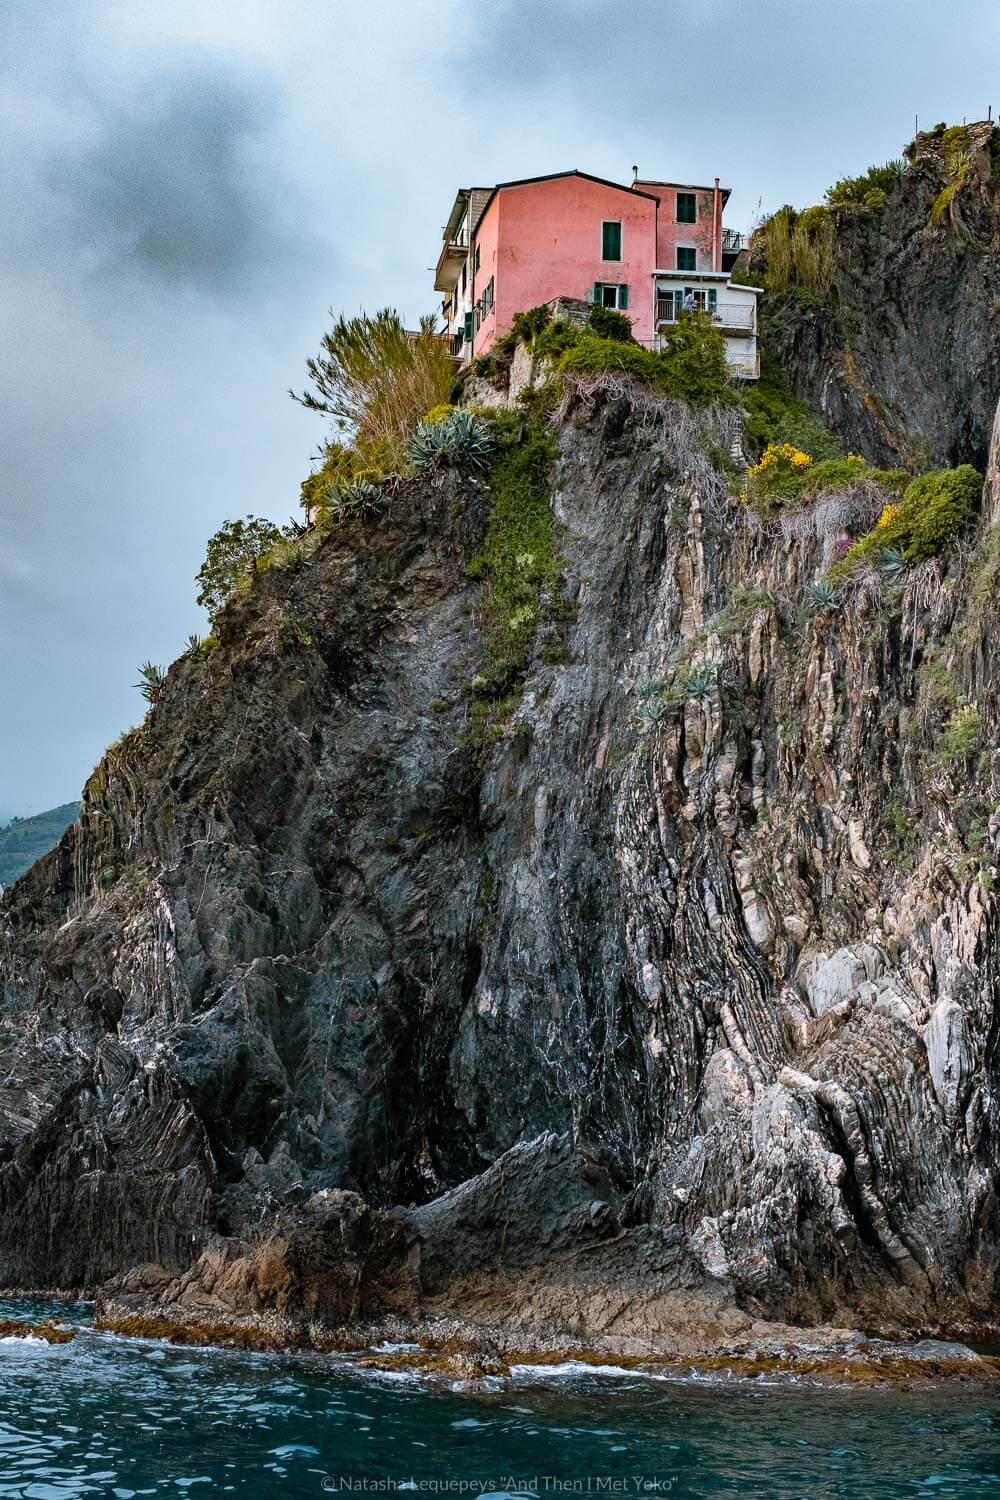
<point>932,511</point>
<point>787,478</point>
<point>518,561</point>
<point>870,190</point>
<point>690,365</point>
<point>774,415</point>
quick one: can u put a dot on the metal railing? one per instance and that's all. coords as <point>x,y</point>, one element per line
<point>735,315</point>
<point>732,239</point>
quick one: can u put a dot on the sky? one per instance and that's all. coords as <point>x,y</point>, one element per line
<point>188,189</point>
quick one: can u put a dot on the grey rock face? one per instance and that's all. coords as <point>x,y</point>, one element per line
<point>615,1003</point>
<point>903,355</point>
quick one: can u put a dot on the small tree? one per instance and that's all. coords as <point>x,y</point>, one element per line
<point>231,552</point>
<point>376,381</point>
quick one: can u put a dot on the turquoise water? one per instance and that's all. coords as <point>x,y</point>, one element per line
<point>113,1417</point>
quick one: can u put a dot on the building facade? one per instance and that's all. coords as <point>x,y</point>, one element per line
<point>650,250</point>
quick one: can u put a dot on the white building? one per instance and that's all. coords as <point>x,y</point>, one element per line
<point>731,306</point>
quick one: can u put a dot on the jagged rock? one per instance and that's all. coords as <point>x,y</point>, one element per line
<point>319,1008</point>
<point>830,979</point>
<point>902,356</point>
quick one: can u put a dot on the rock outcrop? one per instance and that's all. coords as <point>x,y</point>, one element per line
<point>671,999</point>
<point>902,353</point>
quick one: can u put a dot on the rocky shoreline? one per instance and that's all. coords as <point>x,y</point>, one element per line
<point>454,1350</point>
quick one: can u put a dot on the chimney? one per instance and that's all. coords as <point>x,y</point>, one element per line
<point>717,228</point>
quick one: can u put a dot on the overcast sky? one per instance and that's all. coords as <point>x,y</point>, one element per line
<point>187,187</point>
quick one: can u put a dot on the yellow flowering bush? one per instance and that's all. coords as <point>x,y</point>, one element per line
<point>889,514</point>
<point>786,476</point>
<point>438,413</point>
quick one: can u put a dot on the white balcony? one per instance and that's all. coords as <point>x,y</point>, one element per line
<point>729,317</point>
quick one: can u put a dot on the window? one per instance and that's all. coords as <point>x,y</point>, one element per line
<point>476,265</point>
<point>611,239</point>
<point>687,258</point>
<point>687,208</point>
<point>702,299</point>
<point>469,330</point>
<point>611,294</point>
<point>465,276</point>
<point>488,297</point>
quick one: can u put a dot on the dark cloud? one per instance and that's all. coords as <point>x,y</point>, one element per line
<point>172,187</point>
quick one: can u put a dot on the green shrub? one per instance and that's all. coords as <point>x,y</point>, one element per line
<point>932,511</point>
<point>774,415</point>
<point>376,381</point>
<point>785,478</point>
<point>341,466</point>
<point>798,252</point>
<point>693,354</point>
<point>961,736</point>
<point>525,326</point>
<point>231,553</point>
<point>607,323</point>
<point>518,559</point>
<point>842,473</point>
<point>691,364</point>
<point>554,340</point>
<point>867,191</point>
<point>935,508</point>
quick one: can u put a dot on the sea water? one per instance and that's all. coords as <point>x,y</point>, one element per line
<point>117,1417</point>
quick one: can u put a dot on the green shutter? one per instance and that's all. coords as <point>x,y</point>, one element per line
<point>468,328</point>
<point>687,208</point>
<point>678,303</point>
<point>611,240</point>
<point>686,258</point>
<point>713,299</point>
<point>598,291</point>
<point>623,296</point>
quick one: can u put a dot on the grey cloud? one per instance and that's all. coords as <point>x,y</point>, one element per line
<point>170,187</point>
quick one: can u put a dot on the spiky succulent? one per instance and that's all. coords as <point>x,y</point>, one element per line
<point>700,681</point>
<point>651,711</point>
<point>460,438</point>
<point>821,596</point>
<point>891,561</point>
<point>359,497</point>
<point>651,687</point>
<point>151,680</point>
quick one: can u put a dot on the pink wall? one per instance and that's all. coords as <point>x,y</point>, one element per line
<point>541,240</point>
<point>670,234</point>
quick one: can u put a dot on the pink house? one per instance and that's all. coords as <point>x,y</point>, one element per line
<point>649,250</point>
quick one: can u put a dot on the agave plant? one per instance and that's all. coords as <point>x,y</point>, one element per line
<point>361,495</point>
<point>700,681</point>
<point>651,711</point>
<point>151,680</point>
<point>822,596</point>
<point>194,644</point>
<point>651,687</point>
<point>460,438</point>
<point>891,561</point>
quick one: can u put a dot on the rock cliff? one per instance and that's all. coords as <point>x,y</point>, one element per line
<point>667,1003</point>
<point>901,352</point>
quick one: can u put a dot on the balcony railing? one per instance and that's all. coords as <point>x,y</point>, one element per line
<point>733,317</point>
<point>732,239</point>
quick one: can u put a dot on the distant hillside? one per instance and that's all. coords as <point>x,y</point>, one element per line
<point>27,839</point>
